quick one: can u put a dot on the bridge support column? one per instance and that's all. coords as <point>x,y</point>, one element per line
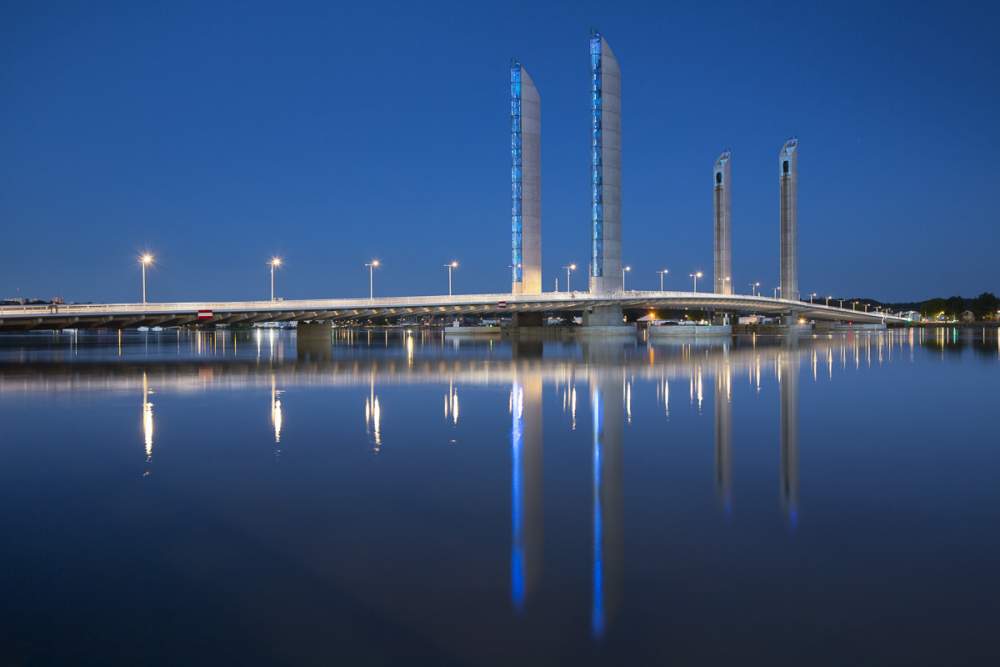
<point>314,341</point>
<point>603,316</point>
<point>527,320</point>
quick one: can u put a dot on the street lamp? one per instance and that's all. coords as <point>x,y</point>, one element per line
<point>753,288</point>
<point>662,273</point>
<point>695,276</point>
<point>812,295</point>
<point>274,264</point>
<point>625,269</point>
<point>776,291</point>
<point>453,264</point>
<point>854,305</point>
<point>371,266</point>
<point>144,260</point>
<point>569,268</point>
<point>828,301</point>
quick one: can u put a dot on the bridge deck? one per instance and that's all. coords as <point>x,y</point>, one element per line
<point>129,315</point>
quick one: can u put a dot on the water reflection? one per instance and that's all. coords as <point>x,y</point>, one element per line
<point>788,381</point>
<point>619,378</point>
<point>373,416</point>
<point>724,437</point>
<point>526,489</point>
<point>451,403</point>
<point>277,417</point>
<point>608,399</point>
<point>147,422</point>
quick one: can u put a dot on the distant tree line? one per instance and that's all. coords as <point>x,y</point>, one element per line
<point>984,306</point>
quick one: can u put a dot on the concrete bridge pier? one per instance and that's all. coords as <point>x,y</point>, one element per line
<point>527,320</point>
<point>603,316</point>
<point>605,321</point>
<point>314,341</point>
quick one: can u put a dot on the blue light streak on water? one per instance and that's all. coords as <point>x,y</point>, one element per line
<point>517,543</point>
<point>597,611</point>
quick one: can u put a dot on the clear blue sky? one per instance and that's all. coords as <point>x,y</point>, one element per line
<point>217,135</point>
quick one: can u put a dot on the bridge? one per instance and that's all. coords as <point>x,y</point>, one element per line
<point>134,315</point>
<point>603,303</point>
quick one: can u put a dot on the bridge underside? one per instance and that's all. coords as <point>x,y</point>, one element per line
<point>524,307</point>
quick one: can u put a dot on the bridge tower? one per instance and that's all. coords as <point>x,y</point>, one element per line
<point>788,177</point>
<point>723,224</point>
<point>526,185</point>
<point>605,163</point>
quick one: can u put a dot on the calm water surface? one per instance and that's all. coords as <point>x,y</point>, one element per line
<point>221,498</point>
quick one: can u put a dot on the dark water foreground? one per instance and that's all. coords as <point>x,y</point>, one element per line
<point>189,498</point>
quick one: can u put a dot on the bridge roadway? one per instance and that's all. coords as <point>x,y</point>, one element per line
<point>132,315</point>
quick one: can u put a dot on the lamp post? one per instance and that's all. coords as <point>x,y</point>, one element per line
<point>145,260</point>
<point>828,301</point>
<point>371,266</point>
<point>662,273</point>
<point>695,276</point>
<point>453,264</point>
<point>776,291</point>
<point>854,305</point>
<point>274,264</point>
<point>812,295</point>
<point>569,269</point>
<point>753,288</point>
<point>625,269</point>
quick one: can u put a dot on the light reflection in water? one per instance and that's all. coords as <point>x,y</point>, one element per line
<point>277,416</point>
<point>597,605</point>
<point>147,421</point>
<point>373,417</point>
<point>526,487</point>
<point>607,574</point>
<point>788,382</point>
<point>451,403</point>
<point>612,382</point>
<point>516,403</point>
<point>724,437</point>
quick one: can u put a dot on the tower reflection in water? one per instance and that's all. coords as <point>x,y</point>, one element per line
<point>788,382</point>
<point>616,379</point>
<point>608,399</point>
<point>724,436</point>
<point>526,488</point>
